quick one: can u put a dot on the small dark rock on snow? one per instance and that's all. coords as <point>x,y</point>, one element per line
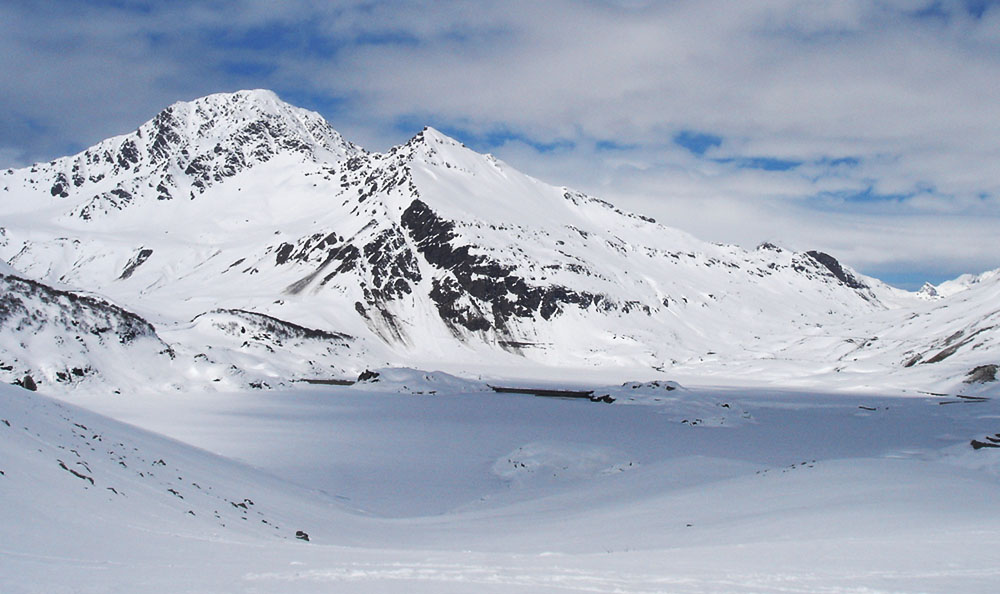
<point>28,383</point>
<point>368,376</point>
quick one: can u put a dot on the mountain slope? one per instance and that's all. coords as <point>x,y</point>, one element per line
<point>48,335</point>
<point>949,344</point>
<point>428,254</point>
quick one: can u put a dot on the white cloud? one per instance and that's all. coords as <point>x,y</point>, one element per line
<point>912,99</point>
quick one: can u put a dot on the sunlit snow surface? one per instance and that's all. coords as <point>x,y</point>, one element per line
<point>426,483</point>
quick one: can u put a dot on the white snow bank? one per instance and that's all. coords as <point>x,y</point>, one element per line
<point>415,381</point>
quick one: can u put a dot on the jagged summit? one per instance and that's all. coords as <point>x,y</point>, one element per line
<point>928,291</point>
<point>255,112</point>
<point>247,96</point>
<point>181,152</point>
<point>437,149</point>
<point>434,137</point>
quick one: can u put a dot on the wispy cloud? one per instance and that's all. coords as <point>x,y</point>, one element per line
<point>869,129</point>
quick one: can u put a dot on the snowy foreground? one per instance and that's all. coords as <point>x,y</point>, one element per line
<point>668,489</point>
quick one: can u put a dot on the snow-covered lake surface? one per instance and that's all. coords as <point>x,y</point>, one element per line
<point>689,489</point>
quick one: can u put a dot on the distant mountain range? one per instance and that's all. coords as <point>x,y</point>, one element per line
<point>239,241</point>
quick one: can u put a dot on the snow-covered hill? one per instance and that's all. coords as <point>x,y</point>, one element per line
<point>237,212</point>
<point>65,337</point>
<point>953,337</point>
<point>445,488</point>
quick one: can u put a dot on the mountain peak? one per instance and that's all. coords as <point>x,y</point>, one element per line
<point>928,291</point>
<point>432,137</point>
<point>222,114</point>
<point>433,147</point>
<point>251,100</point>
<point>185,149</point>
<point>435,136</point>
<point>256,95</point>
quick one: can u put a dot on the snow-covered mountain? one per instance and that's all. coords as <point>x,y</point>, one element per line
<point>262,247</point>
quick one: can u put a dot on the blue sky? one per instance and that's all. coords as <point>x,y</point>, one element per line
<point>867,129</point>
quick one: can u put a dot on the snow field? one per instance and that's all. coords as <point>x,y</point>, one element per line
<point>450,491</point>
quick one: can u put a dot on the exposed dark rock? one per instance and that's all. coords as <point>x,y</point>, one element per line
<point>283,253</point>
<point>28,383</point>
<point>163,192</point>
<point>392,264</point>
<point>128,155</point>
<point>301,535</point>
<point>955,346</point>
<point>368,376</point>
<point>447,296</point>
<point>951,339</point>
<point>198,169</point>
<point>831,264</point>
<point>347,256</point>
<point>75,473</point>
<point>165,135</point>
<point>135,262</point>
<point>476,292</point>
<point>982,374</point>
<point>60,187</point>
<point>122,195</point>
